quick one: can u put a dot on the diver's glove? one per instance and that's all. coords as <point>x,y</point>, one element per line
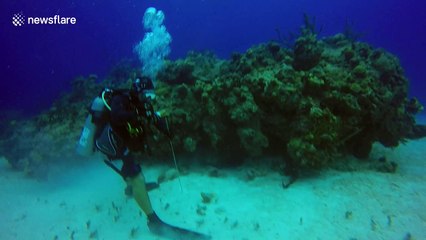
<point>163,126</point>
<point>169,133</point>
<point>160,228</point>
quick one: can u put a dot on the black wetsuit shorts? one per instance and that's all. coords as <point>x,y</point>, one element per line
<point>113,147</point>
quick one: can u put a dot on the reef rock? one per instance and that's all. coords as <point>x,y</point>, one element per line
<point>324,98</point>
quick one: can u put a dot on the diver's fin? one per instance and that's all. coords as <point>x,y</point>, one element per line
<point>163,229</point>
<point>175,233</point>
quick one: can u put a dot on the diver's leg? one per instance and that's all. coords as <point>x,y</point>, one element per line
<point>132,173</point>
<point>140,193</point>
<point>134,177</point>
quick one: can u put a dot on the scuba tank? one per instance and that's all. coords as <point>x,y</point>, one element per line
<point>86,142</point>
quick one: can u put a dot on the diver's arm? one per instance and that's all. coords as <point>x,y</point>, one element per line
<point>161,123</point>
<point>154,117</point>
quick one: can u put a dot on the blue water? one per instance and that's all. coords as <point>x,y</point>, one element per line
<point>38,62</point>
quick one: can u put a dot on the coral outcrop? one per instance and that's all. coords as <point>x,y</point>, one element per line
<point>324,98</point>
<point>339,98</point>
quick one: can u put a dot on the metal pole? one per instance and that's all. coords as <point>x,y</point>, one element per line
<point>173,154</point>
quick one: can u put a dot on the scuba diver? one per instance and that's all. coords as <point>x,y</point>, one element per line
<point>118,124</point>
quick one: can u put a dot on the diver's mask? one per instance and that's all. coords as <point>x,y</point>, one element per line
<point>144,88</point>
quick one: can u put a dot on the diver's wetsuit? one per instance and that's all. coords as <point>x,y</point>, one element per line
<point>127,130</point>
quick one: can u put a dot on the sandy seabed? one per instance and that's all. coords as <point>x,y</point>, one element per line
<point>88,202</point>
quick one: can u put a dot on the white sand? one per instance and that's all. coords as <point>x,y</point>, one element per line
<point>331,205</point>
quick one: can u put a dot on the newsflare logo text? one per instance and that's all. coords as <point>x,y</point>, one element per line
<point>18,20</point>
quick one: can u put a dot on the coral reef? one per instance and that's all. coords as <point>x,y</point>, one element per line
<point>334,97</point>
<point>323,99</point>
